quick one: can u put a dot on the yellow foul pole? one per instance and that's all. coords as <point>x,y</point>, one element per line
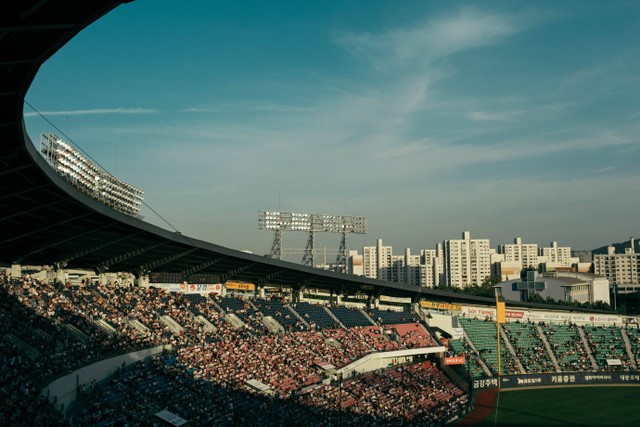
<point>498,335</point>
<point>500,318</point>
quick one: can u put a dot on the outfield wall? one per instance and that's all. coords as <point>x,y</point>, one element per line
<point>514,314</point>
<point>557,379</point>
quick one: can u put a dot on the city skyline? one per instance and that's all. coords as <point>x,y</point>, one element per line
<point>505,119</point>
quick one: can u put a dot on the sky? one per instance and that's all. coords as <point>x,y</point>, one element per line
<point>504,118</point>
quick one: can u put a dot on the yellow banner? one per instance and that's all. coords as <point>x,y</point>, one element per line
<point>440,305</point>
<point>240,286</point>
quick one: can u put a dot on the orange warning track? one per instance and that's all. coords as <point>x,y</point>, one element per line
<point>484,406</point>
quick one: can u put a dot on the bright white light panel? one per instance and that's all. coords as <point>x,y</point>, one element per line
<point>89,178</point>
<point>289,221</point>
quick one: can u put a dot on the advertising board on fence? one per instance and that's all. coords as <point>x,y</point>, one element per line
<point>482,312</point>
<point>440,305</point>
<point>201,288</point>
<point>189,288</point>
<point>558,379</point>
<point>542,316</point>
<point>240,286</point>
<point>454,360</point>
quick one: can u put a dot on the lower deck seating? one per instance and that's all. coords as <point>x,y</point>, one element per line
<point>483,334</point>
<point>529,347</point>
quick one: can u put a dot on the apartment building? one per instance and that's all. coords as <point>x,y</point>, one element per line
<point>555,257</point>
<point>623,270</point>
<point>467,261</point>
<point>378,261</point>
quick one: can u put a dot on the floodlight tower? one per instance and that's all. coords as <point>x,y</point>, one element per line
<point>312,224</point>
<point>350,224</point>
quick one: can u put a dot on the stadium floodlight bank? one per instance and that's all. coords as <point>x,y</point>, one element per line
<point>89,177</point>
<point>288,221</point>
<point>312,224</point>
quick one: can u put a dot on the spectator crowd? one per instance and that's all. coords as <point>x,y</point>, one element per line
<point>50,330</point>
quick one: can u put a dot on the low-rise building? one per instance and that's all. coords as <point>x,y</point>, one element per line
<point>559,285</point>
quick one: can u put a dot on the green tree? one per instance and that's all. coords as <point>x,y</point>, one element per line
<point>490,281</point>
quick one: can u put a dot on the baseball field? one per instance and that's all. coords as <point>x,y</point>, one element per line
<point>570,406</point>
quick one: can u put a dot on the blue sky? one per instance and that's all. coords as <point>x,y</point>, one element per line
<point>503,118</point>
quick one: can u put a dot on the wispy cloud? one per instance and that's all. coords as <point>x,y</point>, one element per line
<point>495,116</point>
<point>266,107</point>
<point>433,40</point>
<point>93,111</point>
<point>408,66</point>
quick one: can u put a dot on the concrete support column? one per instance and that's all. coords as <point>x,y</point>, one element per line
<point>16,271</point>
<point>297,295</point>
<point>143,280</point>
<point>376,302</point>
<point>60,276</point>
<point>261,292</point>
<point>415,307</point>
<point>103,279</point>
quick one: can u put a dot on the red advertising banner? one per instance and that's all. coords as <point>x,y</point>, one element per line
<point>454,360</point>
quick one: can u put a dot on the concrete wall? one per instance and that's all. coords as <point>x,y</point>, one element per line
<point>64,391</point>
<point>374,361</point>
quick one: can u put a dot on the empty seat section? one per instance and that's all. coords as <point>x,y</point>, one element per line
<point>350,316</point>
<point>315,315</point>
<point>388,317</point>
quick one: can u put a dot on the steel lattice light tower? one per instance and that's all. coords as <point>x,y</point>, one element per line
<point>312,224</point>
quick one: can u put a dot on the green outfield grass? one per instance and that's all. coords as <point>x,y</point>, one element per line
<point>583,406</point>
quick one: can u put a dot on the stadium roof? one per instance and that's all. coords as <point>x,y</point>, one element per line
<point>46,221</point>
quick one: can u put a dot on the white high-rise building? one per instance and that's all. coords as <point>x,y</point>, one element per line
<point>432,267</point>
<point>369,262</point>
<point>515,257</point>
<point>467,261</point>
<point>412,269</point>
<point>377,261</point>
<point>622,270</point>
<point>524,253</point>
<point>355,263</point>
<point>555,257</point>
<point>397,270</point>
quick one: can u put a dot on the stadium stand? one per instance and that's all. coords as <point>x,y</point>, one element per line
<point>51,329</point>
<point>483,334</point>
<point>567,347</point>
<point>529,347</point>
<point>316,315</point>
<point>222,360</point>
<point>604,344</point>
<point>387,317</point>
